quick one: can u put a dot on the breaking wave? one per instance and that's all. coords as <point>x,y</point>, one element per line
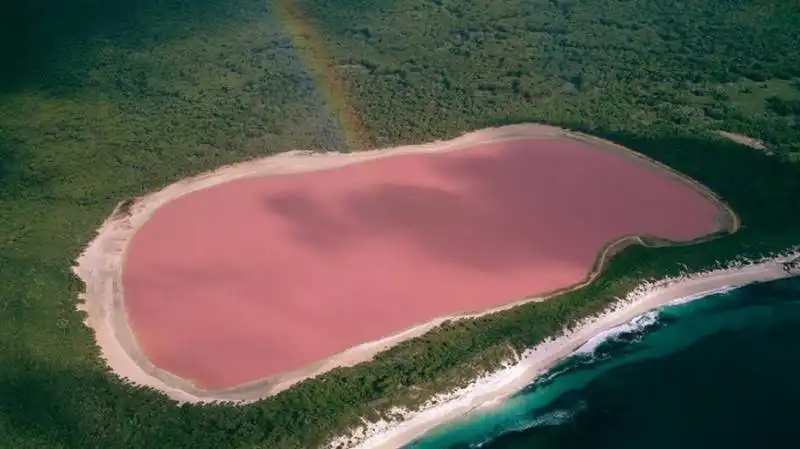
<point>598,390</point>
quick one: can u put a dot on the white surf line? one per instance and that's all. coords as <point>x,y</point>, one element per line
<point>492,388</point>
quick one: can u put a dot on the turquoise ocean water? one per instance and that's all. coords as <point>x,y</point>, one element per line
<point>719,372</point>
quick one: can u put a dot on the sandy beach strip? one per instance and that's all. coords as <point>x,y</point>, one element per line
<point>495,387</point>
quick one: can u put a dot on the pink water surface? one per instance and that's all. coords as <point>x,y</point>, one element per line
<point>263,276</point>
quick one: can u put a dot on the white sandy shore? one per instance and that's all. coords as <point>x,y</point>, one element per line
<point>493,388</point>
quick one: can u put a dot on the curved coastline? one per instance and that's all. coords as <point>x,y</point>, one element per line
<point>100,265</point>
<point>410,425</point>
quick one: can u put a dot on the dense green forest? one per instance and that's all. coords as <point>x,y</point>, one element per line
<point>104,101</point>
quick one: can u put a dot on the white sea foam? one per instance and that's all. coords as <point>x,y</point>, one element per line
<point>555,417</point>
<point>552,418</point>
<point>637,324</point>
<point>716,291</point>
<point>586,335</point>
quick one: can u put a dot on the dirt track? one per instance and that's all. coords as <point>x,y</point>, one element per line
<point>101,264</point>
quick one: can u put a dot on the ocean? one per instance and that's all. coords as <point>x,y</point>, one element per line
<point>722,371</point>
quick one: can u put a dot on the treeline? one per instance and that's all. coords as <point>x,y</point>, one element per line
<point>437,67</point>
<point>118,100</point>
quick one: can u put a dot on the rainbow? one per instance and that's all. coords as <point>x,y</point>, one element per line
<point>322,68</point>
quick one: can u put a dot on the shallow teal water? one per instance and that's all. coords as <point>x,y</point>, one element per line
<point>721,371</point>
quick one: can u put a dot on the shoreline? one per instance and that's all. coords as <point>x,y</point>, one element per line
<point>100,264</point>
<point>493,388</point>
